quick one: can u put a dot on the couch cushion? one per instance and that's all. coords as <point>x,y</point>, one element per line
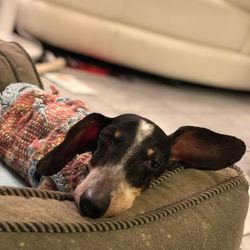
<point>224,25</point>
<point>184,209</point>
<point>245,4</point>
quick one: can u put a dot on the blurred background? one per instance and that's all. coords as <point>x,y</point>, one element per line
<point>176,62</point>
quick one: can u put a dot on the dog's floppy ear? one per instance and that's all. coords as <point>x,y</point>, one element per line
<point>82,137</point>
<point>202,148</point>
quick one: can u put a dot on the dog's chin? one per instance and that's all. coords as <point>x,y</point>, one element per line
<point>122,199</point>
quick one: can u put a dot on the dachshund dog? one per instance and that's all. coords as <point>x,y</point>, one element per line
<point>123,153</point>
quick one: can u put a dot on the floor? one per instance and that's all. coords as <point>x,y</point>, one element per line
<point>170,106</point>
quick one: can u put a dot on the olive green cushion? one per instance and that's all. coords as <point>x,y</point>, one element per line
<point>16,66</point>
<point>184,209</point>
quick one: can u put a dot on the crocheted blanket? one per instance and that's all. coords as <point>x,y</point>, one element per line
<point>32,123</point>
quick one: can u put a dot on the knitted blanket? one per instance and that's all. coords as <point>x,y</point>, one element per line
<point>32,123</point>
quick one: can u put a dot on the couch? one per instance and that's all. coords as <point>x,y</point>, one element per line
<point>205,42</point>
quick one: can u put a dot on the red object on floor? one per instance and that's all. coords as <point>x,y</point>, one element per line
<point>95,69</point>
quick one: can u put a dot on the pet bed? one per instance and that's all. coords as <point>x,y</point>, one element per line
<point>182,209</point>
<point>16,65</point>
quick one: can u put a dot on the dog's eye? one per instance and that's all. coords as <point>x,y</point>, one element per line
<point>154,164</point>
<point>151,164</point>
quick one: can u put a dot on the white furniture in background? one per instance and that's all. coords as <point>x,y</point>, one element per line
<point>8,11</point>
<point>202,41</point>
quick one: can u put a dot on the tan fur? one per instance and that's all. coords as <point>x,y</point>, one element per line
<point>122,199</point>
<point>117,133</point>
<point>150,152</point>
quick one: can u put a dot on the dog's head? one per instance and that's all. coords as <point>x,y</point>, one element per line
<point>128,152</point>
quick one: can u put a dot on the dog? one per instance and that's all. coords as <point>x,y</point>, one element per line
<point>110,161</point>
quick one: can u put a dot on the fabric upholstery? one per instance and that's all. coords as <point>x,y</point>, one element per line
<point>166,17</point>
<point>245,4</point>
<point>16,65</point>
<point>186,209</point>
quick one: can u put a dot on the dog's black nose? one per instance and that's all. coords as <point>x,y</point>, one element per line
<point>93,207</point>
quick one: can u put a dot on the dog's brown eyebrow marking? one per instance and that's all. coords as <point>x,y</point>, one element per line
<point>150,152</point>
<point>117,133</point>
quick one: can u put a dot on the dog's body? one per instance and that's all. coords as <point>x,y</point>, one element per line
<point>107,162</point>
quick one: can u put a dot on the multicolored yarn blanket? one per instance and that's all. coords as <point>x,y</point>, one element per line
<point>32,123</point>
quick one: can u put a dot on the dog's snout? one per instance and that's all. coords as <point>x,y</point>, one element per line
<point>93,206</point>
